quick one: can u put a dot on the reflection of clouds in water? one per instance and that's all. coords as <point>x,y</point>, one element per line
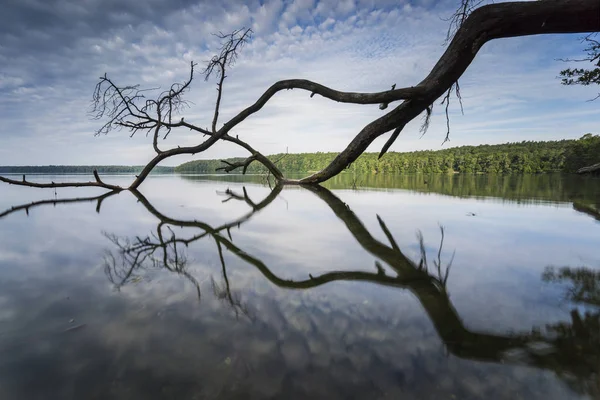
<point>315,342</point>
<point>153,339</point>
<point>298,247</point>
<point>501,252</point>
<point>199,200</point>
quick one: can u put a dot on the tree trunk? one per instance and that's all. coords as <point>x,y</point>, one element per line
<point>495,21</point>
<point>592,169</point>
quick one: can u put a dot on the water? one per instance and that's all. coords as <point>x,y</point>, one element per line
<point>221,288</point>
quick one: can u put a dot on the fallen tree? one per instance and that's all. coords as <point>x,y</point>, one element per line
<point>128,107</point>
<point>590,169</point>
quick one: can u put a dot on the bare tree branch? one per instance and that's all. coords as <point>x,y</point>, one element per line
<point>232,166</point>
<point>459,17</point>
<point>98,183</point>
<point>231,45</point>
<point>583,76</point>
<point>470,28</point>
<point>589,169</point>
<point>128,107</point>
<point>486,23</point>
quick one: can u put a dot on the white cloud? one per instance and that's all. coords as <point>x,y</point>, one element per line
<point>266,15</point>
<point>345,7</point>
<point>509,92</point>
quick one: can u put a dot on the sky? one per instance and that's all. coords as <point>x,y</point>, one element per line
<point>52,53</point>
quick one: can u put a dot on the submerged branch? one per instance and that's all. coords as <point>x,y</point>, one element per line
<point>590,169</point>
<point>98,183</point>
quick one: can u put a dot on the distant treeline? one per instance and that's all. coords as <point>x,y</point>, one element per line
<point>582,153</point>
<point>521,188</point>
<point>524,157</point>
<point>80,169</point>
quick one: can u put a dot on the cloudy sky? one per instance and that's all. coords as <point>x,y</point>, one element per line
<point>53,51</point>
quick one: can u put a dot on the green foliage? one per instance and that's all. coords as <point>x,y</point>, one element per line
<point>523,157</point>
<point>582,153</point>
<point>583,191</point>
<point>584,283</point>
<point>582,76</point>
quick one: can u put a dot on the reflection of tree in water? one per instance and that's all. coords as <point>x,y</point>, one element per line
<point>158,251</point>
<point>580,338</point>
<point>151,252</point>
<point>570,349</point>
<point>582,284</point>
<point>163,249</point>
<point>582,191</point>
<point>590,209</point>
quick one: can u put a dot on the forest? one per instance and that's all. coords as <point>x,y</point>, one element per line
<point>523,157</point>
<point>528,157</point>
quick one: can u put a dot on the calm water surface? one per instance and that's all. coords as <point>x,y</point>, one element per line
<point>376,287</point>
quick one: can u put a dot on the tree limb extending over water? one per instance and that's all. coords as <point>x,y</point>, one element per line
<point>129,107</point>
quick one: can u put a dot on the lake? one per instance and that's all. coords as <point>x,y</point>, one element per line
<point>371,287</point>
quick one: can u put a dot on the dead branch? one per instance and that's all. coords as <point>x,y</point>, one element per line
<point>486,23</point>
<point>460,16</point>
<point>589,169</point>
<point>231,166</point>
<point>582,76</point>
<point>231,45</point>
<point>98,183</point>
<point>480,26</point>
<point>446,101</point>
<point>123,108</point>
<point>130,107</point>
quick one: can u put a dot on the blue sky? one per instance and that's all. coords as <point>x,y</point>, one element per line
<point>53,51</point>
